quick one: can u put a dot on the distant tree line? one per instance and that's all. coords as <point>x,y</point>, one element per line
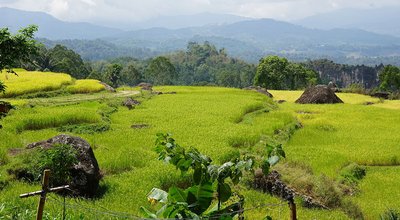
<point>204,64</point>
<point>345,75</point>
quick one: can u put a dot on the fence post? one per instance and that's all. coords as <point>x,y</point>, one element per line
<point>45,188</point>
<point>292,206</point>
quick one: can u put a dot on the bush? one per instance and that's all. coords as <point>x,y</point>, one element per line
<point>327,191</point>
<point>59,159</point>
<point>352,173</point>
<point>355,88</point>
<point>390,214</point>
<point>352,210</point>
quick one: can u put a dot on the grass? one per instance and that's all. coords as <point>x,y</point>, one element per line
<point>85,86</point>
<point>41,117</point>
<point>32,81</point>
<point>221,123</point>
<point>336,135</point>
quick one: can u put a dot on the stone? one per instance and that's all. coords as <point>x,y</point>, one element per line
<point>108,87</point>
<point>146,86</point>
<point>130,103</point>
<point>5,107</point>
<point>85,175</point>
<point>320,94</point>
<point>382,95</point>
<point>260,90</point>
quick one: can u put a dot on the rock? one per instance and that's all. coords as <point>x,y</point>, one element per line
<point>130,103</point>
<point>146,86</point>
<point>86,173</point>
<point>281,101</point>
<point>320,94</point>
<point>260,90</point>
<point>275,186</point>
<point>5,107</point>
<point>157,93</point>
<point>108,87</point>
<point>139,126</point>
<point>272,184</point>
<point>383,95</point>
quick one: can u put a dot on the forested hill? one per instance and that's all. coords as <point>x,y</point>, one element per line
<point>52,28</point>
<point>248,40</point>
<point>199,64</point>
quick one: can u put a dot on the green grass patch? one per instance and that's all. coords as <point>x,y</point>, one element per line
<point>32,81</point>
<point>85,86</point>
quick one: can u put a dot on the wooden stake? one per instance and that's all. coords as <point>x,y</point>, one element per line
<point>45,188</point>
<point>43,193</point>
<point>292,206</point>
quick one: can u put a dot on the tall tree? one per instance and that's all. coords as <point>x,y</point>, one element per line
<point>389,78</point>
<point>131,75</point>
<point>271,72</point>
<point>67,61</point>
<point>274,72</point>
<point>113,73</point>
<point>161,71</point>
<point>16,48</point>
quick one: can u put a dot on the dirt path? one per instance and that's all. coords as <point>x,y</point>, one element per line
<point>81,98</point>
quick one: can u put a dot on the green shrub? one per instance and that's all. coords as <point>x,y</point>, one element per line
<point>59,159</point>
<point>85,128</point>
<point>390,214</point>
<point>355,88</point>
<point>352,210</point>
<point>352,173</point>
<point>327,191</point>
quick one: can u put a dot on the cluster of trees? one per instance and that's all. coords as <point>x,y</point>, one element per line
<point>199,64</point>
<point>57,59</point>
<point>204,64</point>
<point>274,72</point>
<point>345,75</point>
<point>389,79</point>
<point>16,48</point>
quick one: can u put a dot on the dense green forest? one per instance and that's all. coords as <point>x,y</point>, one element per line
<point>205,64</point>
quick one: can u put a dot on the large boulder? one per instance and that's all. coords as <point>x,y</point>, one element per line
<point>85,174</point>
<point>320,94</point>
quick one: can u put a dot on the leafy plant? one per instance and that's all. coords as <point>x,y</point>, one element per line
<point>274,154</point>
<point>352,173</point>
<point>59,159</point>
<point>196,201</point>
<point>390,214</point>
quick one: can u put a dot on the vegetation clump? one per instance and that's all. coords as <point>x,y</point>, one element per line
<point>352,173</point>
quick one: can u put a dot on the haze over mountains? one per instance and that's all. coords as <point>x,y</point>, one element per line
<point>380,20</point>
<point>243,37</point>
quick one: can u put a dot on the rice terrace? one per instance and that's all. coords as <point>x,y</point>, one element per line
<point>131,125</point>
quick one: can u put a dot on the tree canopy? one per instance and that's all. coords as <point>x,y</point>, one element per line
<point>389,78</point>
<point>274,72</point>
<point>16,48</point>
<point>58,59</point>
<point>160,71</point>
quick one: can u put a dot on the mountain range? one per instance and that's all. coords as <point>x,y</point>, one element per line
<point>379,20</point>
<point>249,39</point>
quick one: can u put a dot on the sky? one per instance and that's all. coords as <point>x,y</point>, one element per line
<point>140,10</point>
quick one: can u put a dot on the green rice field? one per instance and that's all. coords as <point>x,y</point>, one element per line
<point>219,122</point>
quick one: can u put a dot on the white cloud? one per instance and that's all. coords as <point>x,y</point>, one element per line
<point>135,10</point>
